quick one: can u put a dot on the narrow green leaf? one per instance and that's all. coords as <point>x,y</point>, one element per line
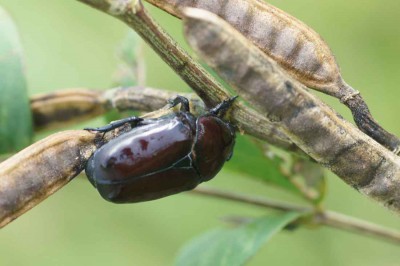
<point>233,247</point>
<point>15,115</point>
<point>249,159</point>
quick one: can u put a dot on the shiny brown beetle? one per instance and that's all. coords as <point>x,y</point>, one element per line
<point>161,157</point>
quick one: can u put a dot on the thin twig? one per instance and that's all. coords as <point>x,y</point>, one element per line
<point>351,224</point>
<point>327,218</point>
<point>203,84</point>
<point>69,106</point>
<point>257,201</point>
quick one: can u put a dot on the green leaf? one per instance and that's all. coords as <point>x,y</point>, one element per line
<point>236,246</point>
<point>130,69</point>
<point>249,159</point>
<point>15,114</point>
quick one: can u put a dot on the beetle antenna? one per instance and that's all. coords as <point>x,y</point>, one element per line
<point>180,100</point>
<point>222,107</point>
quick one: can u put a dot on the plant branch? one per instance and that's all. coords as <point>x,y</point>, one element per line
<point>74,105</point>
<point>252,200</point>
<point>209,90</point>
<point>351,224</point>
<point>326,218</point>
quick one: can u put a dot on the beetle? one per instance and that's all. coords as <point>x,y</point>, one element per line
<point>163,156</point>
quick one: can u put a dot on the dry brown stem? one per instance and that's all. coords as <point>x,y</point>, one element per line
<point>75,105</point>
<point>203,84</point>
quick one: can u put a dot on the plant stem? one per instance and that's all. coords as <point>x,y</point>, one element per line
<point>209,90</point>
<point>70,106</point>
<point>351,224</point>
<point>327,218</point>
<point>257,201</point>
<point>368,125</point>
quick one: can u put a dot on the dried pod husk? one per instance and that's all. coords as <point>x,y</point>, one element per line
<point>295,47</point>
<point>139,98</point>
<point>313,126</point>
<point>64,107</point>
<point>291,43</point>
<point>33,174</point>
<point>149,99</point>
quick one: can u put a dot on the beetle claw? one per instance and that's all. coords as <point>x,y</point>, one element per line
<point>180,100</point>
<point>222,107</point>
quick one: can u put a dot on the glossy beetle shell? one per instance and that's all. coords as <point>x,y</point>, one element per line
<point>170,155</point>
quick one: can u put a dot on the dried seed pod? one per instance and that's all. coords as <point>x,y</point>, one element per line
<point>295,47</point>
<point>66,106</point>
<point>148,99</point>
<point>312,125</point>
<point>41,169</point>
<point>139,98</point>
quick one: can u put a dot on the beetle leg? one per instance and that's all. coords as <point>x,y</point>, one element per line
<point>222,107</point>
<point>180,100</point>
<point>133,120</point>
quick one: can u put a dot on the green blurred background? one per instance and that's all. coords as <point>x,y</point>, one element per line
<point>70,45</point>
